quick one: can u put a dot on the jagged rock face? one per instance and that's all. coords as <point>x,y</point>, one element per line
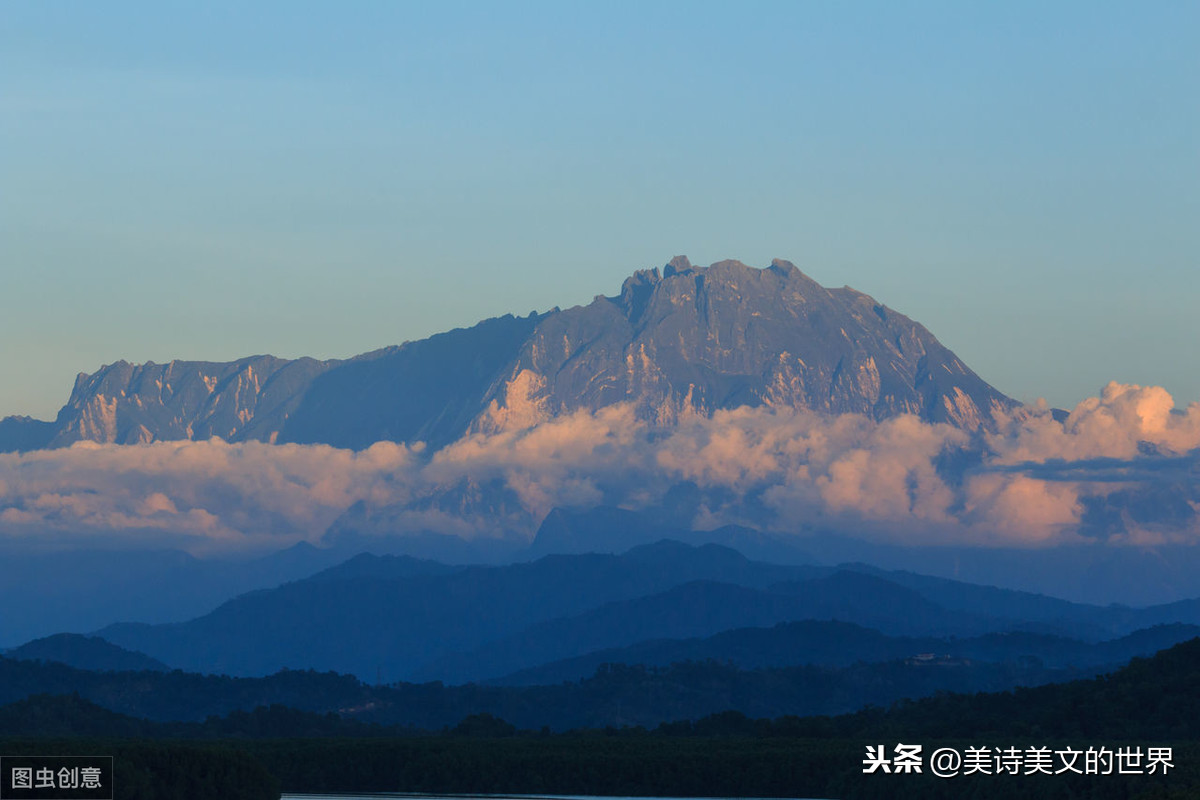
<point>129,404</point>
<point>693,340</point>
<point>686,340</point>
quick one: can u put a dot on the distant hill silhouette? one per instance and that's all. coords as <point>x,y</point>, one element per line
<point>403,618</point>
<point>85,652</point>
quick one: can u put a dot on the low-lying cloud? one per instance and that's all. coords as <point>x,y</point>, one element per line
<point>1099,473</point>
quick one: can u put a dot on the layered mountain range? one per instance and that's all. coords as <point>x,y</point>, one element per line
<point>563,617</point>
<point>677,341</point>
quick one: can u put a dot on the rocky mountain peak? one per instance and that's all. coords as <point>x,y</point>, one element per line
<point>676,266</point>
<point>698,339</point>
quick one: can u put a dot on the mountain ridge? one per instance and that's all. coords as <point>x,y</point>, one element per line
<point>673,342</point>
<point>420,619</point>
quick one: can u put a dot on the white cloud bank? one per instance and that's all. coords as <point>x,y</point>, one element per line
<point>1030,482</point>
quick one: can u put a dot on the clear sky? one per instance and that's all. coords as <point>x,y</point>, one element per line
<point>218,180</point>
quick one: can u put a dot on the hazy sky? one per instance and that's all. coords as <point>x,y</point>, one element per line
<point>182,181</point>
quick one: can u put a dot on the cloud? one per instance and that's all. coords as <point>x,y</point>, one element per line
<point>210,493</point>
<point>1117,424</point>
<point>1101,472</point>
<point>1018,509</point>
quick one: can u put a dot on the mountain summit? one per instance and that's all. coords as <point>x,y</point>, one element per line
<point>697,339</point>
<point>674,342</point>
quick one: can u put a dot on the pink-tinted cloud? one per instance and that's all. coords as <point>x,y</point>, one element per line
<point>778,468</point>
<point>212,493</point>
<point>1112,425</point>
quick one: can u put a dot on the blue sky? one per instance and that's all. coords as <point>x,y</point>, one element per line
<point>324,179</point>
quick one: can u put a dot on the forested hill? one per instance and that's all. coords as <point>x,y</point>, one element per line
<point>1153,701</point>
<point>1154,697</point>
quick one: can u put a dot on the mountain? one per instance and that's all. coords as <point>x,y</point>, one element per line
<point>404,618</point>
<point>378,616</point>
<point>699,339</point>
<point>136,403</point>
<point>609,529</point>
<point>674,342</point>
<point>132,585</point>
<point>24,433</point>
<point>991,625</point>
<point>85,652</point>
<point>702,608</point>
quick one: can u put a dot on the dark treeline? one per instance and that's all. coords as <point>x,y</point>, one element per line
<point>615,695</point>
<point>1156,697</point>
<point>71,715</point>
<point>181,695</point>
<point>1152,702</point>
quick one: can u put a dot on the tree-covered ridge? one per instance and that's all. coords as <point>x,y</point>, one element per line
<point>614,695</point>
<point>1156,698</point>
<point>1150,698</point>
<point>1151,702</point>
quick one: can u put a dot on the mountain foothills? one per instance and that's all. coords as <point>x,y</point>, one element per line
<point>399,618</point>
<point>684,340</point>
<point>816,662</point>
